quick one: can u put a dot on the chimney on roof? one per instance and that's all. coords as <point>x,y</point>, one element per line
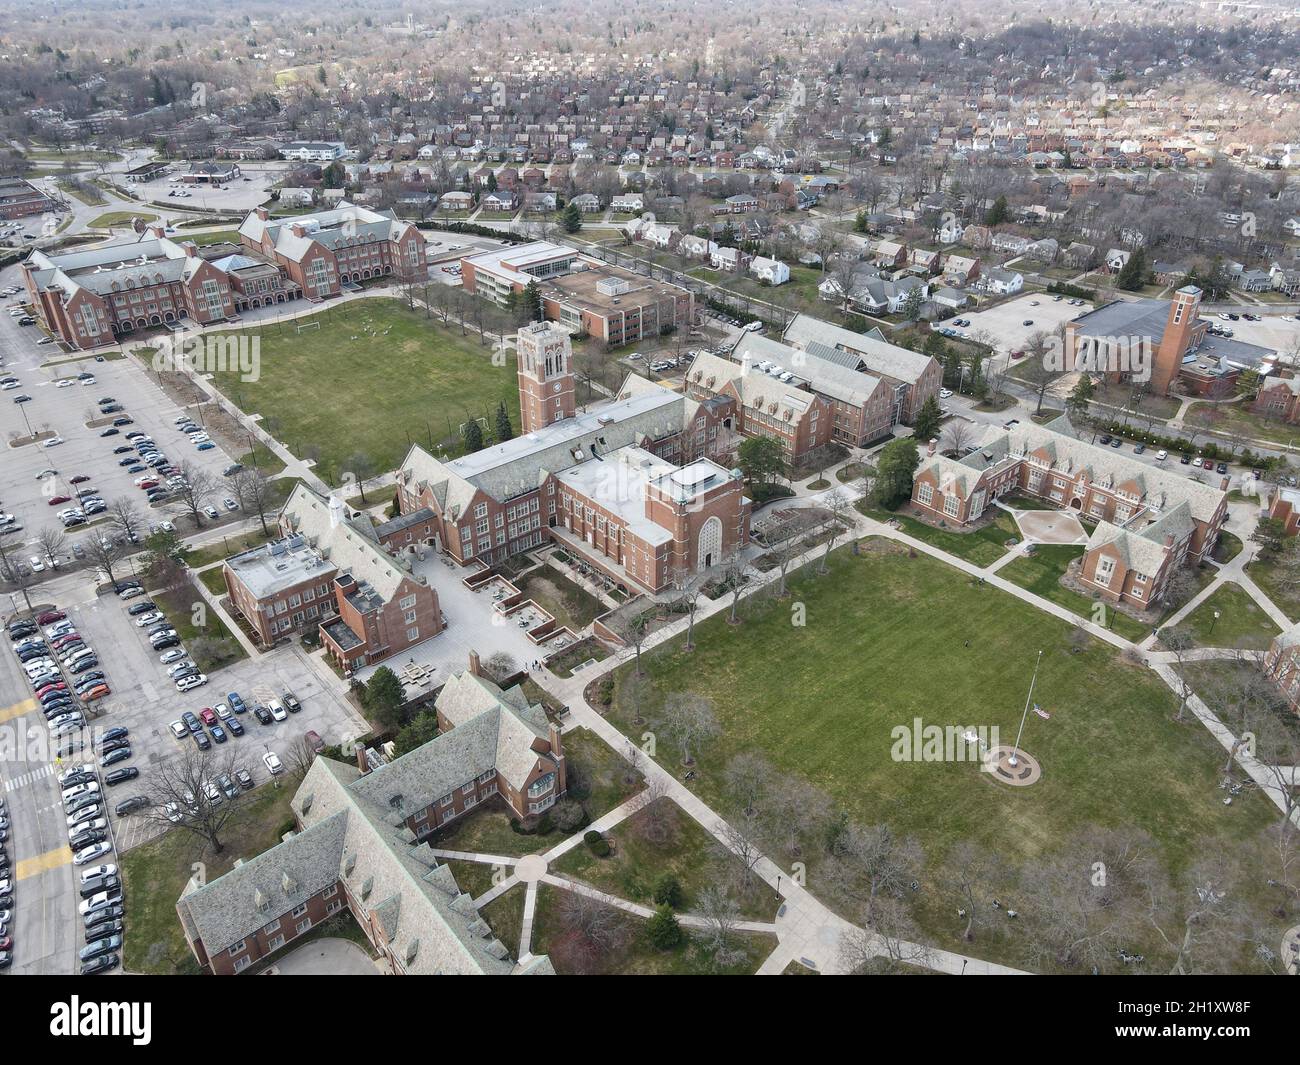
<point>297,229</point>
<point>191,249</point>
<point>1223,483</point>
<point>157,230</point>
<point>932,447</point>
<point>475,667</point>
<point>263,215</point>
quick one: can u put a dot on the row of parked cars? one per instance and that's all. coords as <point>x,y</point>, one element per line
<point>162,637</point>
<point>6,892</point>
<point>61,667</point>
<point>99,886</point>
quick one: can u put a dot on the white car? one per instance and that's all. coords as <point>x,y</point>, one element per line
<point>277,710</point>
<point>9,386</point>
<point>78,790</point>
<point>172,812</point>
<point>150,618</point>
<point>945,393</point>
<point>72,771</point>
<point>229,504</point>
<point>174,655</point>
<point>89,854</point>
<point>179,667</point>
<point>1161,456</point>
<point>88,380</point>
<point>76,817</point>
<point>272,762</point>
<point>37,565</point>
<point>98,902</point>
<point>88,824</point>
<point>179,729</point>
<point>99,870</point>
<point>212,793</point>
<point>53,441</point>
<point>186,684</point>
<point>211,512</point>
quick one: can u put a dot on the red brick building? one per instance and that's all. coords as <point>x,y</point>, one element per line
<point>332,572</point>
<point>19,198</point>
<point>321,252</point>
<point>360,844</point>
<point>1149,520</point>
<point>96,296</point>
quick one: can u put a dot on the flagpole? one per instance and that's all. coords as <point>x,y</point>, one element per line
<point>1028,698</point>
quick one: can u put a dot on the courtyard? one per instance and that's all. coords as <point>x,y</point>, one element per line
<point>327,396</point>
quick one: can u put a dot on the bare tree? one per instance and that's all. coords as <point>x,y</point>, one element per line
<point>735,570</point>
<point>958,435</point>
<point>970,876</point>
<point>889,943</point>
<point>14,571</point>
<point>105,552</point>
<point>1179,642</point>
<point>743,846</point>
<point>747,780</point>
<point>181,794</point>
<point>196,487</point>
<point>839,506</point>
<point>875,862</point>
<point>632,629</point>
<point>124,517</point>
<point>51,541</point>
<point>500,665</point>
<point>721,915</point>
<point>689,721</point>
<point>255,494</point>
<point>690,588</point>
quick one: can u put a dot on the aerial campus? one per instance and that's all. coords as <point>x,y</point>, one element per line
<point>607,502</point>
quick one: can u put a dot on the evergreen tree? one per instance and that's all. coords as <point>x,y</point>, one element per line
<point>491,182</point>
<point>1132,275</point>
<point>662,929</point>
<point>504,429</point>
<point>531,303</point>
<point>472,435</point>
<point>571,218</point>
<point>1080,398</point>
<point>895,468</point>
<point>997,214</point>
<point>926,424</point>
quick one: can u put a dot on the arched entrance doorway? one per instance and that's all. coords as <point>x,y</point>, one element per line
<point>709,546</point>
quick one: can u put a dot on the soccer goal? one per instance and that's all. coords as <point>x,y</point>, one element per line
<point>303,327</point>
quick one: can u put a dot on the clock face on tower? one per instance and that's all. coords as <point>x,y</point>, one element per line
<point>556,386</point>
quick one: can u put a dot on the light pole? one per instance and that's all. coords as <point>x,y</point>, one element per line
<point>1015,750</point>
<point>1216,617</point>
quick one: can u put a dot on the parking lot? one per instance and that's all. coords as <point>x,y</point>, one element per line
<point>1004,323</point>
<point>145,701</point>
<point>65,409</point>
<point>251,188</point>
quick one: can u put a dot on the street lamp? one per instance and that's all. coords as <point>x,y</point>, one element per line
<point>1217,615</point>
<point>1013,761</point>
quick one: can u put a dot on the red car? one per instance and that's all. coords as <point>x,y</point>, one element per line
<point>1208,464</point>
<point>54,502</point>
<point>55,686</point>
<point>148,484</point>
<point>50,617</point>
<point>79,479</point>
<point>208,716</point>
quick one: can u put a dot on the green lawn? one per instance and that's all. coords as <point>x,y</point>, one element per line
<point>373,379</point>
<point>155,873</point>
<point>1041,574</point>
<point>982,547</point>
<point>1241,622</point>
<point>644,851</point>
<point>1264,573</point>
<point>119,218</point>
<point>210,644</point>
<point>218,236</point>
<point>1237,421</point>
<point>634,956</point>
<point>890,638</point>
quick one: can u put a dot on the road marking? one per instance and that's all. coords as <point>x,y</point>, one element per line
<point>13,783</point>
<point>17,710</point>
<point>54,859</point>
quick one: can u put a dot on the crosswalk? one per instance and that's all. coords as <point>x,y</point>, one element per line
<point>30,777</point>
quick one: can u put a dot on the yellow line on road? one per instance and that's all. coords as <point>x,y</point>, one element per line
<point>49,860</point>
<point>17,710</point>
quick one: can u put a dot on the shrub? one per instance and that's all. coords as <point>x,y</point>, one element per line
<point>596,843</point>
<point>662,929</point>
<point>668,891</point>
<point>568,815</point>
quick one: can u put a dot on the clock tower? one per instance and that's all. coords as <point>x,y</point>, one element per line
<point>546,391</point>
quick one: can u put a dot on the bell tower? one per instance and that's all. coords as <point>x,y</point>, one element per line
<point>546,390</point>
<point>1180,328</point>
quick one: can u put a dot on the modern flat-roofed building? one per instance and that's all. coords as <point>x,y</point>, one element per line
<point>583,294</point>
<point>313,151</point>
<point>915,377</point>
<point>360,844</point>
<point>1148,520</point>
